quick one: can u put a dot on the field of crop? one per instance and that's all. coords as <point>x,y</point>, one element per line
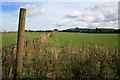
<point>11,38</point>
<point>57,57</point>
<point>77,40</point>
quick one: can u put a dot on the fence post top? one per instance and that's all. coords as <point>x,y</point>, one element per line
<point>22,9</point>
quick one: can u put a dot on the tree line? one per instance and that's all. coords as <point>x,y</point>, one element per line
<point>97,30</point>
<point>80,30</point>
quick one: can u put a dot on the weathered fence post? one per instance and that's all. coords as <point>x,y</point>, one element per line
<point>20,41</point>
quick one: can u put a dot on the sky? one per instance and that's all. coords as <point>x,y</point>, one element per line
<point>60,0</point>
<point>60,15</point>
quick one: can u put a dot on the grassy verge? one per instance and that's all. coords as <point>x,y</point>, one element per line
<point>11,38</point>
<point>48,61</point>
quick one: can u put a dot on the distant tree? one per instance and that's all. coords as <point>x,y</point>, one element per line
<point>96,30</point>
<point>55,29</point>
<point>76,29</point>
<point>26,31</point>
<point>117,31</point>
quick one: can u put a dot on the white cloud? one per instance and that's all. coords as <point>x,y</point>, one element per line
<point>109,12</point>
<point>62,22</point>
<point>111,16</point>
<point>99,18</point>
<point>87,18</point>
<point>33,9</point>
<point>102,16</point>
<point>81,23</point>
<point>74,14</point>
<point>111,24</point>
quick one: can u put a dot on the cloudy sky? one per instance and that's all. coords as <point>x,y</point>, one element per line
<point>61,15</point>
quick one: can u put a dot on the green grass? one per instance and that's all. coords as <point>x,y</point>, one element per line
<point>53,62</point>
<point>11,38</point>
<point>74,39</point>
<point>50,61</point>
<point>78,39</point>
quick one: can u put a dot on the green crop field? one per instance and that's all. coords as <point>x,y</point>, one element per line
<point>73,39</point>
<point>62,54</point>
<point>79,39</point>
<point>11,38</point>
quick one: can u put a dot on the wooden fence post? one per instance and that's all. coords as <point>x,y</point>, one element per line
<point>20,42</point>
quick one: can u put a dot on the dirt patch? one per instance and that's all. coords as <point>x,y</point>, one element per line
<point>44,37</point>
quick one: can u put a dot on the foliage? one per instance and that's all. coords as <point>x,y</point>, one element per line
<point>87,30</point>
<point>46,61</point>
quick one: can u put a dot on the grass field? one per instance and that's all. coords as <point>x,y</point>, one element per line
<point>11,38</point>
<point>74,39</point>
<point>56,59</point>
<point>78,39</point>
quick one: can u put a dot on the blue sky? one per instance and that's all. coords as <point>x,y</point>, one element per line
<point>61,15</point>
